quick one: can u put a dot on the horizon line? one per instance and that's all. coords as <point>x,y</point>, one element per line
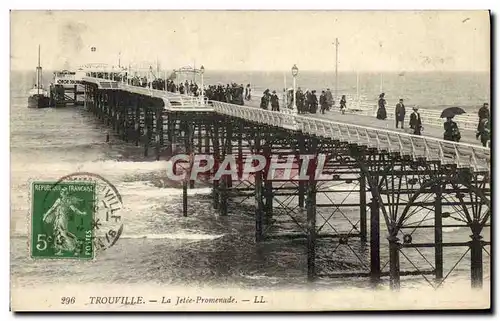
<point>304,70</point>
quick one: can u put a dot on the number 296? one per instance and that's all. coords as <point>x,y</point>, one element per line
<point>67,300</point>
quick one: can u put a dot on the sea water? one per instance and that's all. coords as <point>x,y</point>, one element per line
<point>158,245</point>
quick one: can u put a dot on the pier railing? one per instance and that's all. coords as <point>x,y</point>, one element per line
<point>102,83</point>
<point>430,117</point>
<point>447,152</point>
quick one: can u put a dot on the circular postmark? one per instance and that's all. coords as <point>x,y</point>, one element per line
<point>105,205</point>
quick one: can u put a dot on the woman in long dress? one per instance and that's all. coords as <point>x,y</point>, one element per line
<point>381,112</point>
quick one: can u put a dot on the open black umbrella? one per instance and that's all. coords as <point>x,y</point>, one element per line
<point>452,111</point>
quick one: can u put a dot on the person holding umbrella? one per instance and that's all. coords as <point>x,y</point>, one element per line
<point>450,127</point>
<point>451,131</point>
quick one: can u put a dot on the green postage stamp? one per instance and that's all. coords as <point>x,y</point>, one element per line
<point>62,217</point>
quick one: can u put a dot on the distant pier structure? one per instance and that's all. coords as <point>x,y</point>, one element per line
<point>381,214</point>
<point>66,88</point>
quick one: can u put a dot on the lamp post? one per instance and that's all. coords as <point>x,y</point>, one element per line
<point>295,72</point>
<point>202,70</point>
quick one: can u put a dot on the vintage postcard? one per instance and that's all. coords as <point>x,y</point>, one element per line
<point>250,160</point>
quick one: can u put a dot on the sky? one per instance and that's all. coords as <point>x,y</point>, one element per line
<point>254,40</point>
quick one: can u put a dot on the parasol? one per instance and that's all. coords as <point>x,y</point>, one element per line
<point>451,112</point>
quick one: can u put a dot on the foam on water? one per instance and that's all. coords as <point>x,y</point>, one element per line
<point>178,236</point>
<point>106,167</point>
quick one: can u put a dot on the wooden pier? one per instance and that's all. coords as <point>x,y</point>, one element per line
<point>395,177</point>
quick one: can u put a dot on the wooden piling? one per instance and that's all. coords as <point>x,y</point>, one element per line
<point>146,129</point>
<point>375,241</point>
<point>207,139</point>
<point>362,208</point>
<point>216,154</point>
<point>302,183</point>
<point>394,262</point>
<point>190,145</point>
<point>224,184</point>
<point>311,216</point>
<point>240,150</point>
<point>184,198</point>
<point>258,196</point>
<point>268,184</point>
<point>99,101</point>
<point>199,140</point>
<point>130,116</point>
<point>438,234</point>
<point>137,123</point>
<point>476,256</point>
<point>159,131</point>
<point>170,133</point>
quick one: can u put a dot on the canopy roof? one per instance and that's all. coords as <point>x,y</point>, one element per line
<point>187,70</point>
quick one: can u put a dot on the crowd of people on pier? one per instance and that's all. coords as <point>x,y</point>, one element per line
<point>230,93</point>
<point>308,102</point>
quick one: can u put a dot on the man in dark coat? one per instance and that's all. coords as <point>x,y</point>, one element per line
<point>275,103</point>
<point>483,131</point>
<point>323,102</point>
<point>307,101</point>
<point>313,104</point>
<point>299,95</point>
<point>400,114</point>
<point>416,122</point>
<point>484,112</point>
